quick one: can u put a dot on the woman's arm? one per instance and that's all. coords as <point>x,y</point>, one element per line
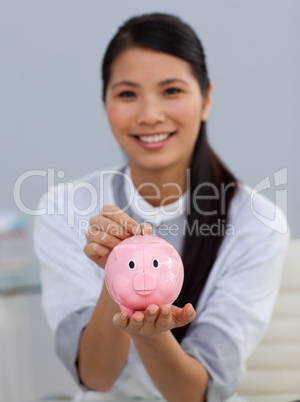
<point>177,375</point>
<point>103,347</point>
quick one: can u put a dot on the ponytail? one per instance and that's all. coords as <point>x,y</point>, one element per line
<point>214,185</point>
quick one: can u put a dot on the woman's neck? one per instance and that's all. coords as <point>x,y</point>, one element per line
<point>159,186</point>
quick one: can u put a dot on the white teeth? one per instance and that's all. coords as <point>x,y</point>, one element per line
<point>154,138</point>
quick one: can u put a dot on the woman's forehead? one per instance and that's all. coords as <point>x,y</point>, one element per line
<point>140,63</point>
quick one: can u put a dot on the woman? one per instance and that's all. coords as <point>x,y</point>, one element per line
<point>157,96</point>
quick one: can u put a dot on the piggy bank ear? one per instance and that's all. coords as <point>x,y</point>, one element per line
<point>119,250</point>
<point>158,248</point>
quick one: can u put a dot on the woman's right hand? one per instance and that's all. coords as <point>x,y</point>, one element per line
<point>107,230</point>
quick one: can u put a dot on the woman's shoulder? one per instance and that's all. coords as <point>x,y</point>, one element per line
<point>83,190</point>
<point>250,208</point>
<point>73,203</point>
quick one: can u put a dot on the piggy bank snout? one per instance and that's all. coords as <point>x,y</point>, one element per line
<point>144,283</point>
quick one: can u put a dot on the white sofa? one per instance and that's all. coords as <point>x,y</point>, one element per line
<point>274,367</point>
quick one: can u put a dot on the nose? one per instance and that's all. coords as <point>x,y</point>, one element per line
<point>150,112</point>
<point>144,281</point>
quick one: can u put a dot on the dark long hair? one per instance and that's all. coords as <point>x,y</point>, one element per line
<point>212,185</point>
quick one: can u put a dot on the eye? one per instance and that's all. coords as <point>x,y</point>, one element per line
<point>172,91</point>
<point>155,263</point>
<point>126,94</point>
<point>131,264</point>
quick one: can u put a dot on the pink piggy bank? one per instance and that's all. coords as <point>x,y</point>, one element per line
<point>142,270</point>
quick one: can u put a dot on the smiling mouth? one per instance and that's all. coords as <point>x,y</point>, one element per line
<point>144,292</point>
<point>154,138</point>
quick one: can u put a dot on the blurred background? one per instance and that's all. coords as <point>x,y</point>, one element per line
<point>52,117</point>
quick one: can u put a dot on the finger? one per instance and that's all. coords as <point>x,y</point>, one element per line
<point>146,228</point>
<point>175,309</point>
<point>97,253</point>
<point>119,216</point>
<point>164,319</point>
<point>121,319</point>
<point>150,316</point>
<point>189,312</point>
<point>186,315</point>
<point>104,239</point>
<point>100,224</point>
<point>136,321</point>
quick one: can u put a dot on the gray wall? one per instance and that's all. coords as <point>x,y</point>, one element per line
<point>52,116</point>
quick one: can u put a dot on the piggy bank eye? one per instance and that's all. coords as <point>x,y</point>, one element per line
<point>131,264</point>
<point>155,263</point>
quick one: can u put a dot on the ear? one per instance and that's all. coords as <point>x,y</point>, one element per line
<point>207,103</point>
<point>123,248</point>
<point>157,248</point>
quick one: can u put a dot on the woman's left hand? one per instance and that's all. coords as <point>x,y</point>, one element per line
<point>154,319</point>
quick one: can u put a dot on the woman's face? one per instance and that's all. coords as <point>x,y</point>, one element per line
<point>155,108</point>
